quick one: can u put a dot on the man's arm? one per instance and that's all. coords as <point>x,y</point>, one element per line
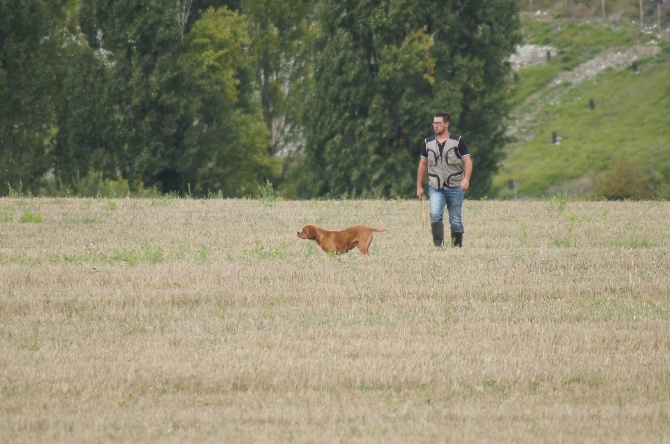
<point>467,171</point>
<point>420,176</point>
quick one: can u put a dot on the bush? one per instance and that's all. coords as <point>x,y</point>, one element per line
<point>626,179</point>
<point>94,184</point>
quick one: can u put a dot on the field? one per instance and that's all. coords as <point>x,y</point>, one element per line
<point>182,320</point>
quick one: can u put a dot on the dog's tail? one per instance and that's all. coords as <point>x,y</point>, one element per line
<point>378,229</point>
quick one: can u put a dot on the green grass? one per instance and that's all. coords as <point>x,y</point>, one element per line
<point>31,217</point>
<point>6,217</point>
<point>629,122</point>
<point>630,243</point>
<point>146,254</point>
<point>578,41</point>
<point>532,80</point>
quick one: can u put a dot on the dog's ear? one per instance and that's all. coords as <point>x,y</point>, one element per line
<point>310,231</point>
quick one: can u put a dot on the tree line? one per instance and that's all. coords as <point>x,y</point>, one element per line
<point>321,98</point>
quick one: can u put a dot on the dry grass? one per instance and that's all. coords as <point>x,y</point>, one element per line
<point>186,320</point>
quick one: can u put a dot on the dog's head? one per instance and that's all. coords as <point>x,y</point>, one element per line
<point>308,232</point>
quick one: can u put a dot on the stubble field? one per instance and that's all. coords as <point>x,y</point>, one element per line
<point>182,320</point>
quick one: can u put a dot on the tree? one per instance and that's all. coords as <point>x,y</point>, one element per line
<point>659,11</point>
<point>279,32</point>
<point>626,179</point>
<point>83,112</point>
<point>182,112</point>
<point>228,149</point>
<point>484,49</point>
<point>30,45</point>
<point>138,42</point>
<point>382,69</point>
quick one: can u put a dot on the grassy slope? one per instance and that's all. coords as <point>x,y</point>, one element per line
<point>630,119</point>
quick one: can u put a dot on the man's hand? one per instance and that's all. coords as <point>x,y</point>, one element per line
<point>420,176</point>
<point>465,184</point>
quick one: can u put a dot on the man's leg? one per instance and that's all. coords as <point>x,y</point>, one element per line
<point>437,202</point>
<point>454,201</point>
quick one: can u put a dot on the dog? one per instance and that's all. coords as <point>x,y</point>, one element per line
<point>340,242</point>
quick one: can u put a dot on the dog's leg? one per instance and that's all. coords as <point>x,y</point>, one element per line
<point>364,243</point>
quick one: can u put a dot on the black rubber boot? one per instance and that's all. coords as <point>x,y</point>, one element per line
<point>456,239</point>
<point>438,233</point>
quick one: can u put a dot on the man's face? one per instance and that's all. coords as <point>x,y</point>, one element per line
<point>439,126</point>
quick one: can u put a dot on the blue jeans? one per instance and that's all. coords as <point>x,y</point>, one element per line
<point>452,198</point>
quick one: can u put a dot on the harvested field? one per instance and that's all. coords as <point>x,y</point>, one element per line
<point>181,320</point>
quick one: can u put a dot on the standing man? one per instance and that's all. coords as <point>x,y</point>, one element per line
<point>446,158</point>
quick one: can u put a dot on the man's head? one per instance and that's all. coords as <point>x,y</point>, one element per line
<point>441,123</point>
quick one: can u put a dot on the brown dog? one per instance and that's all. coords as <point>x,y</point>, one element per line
<point>340,242</point>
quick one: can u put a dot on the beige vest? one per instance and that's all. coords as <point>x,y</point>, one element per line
<point>444,168</point>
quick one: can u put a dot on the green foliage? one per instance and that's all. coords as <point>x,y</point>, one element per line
<point>626,179</point>
<point>108,98</point>
<point>144,85</point>
<point>579,41</point>
<point>557,203</point>
<point>215,53</point>
<point>14,193</point>
<point>146,253</point>
<point>204,253</point>
<point>30,44</point>
<point>229,150</point>
<point>562,241</point>
<point>31,217</point>
<point>523,237</point>
<point>627,124</point>
<point>138,92</point>
<point>380,73</point>
<point>531,80</point>
<point>268,194</point>
<point>94,185</point>
<point>631,243</point>
<point>281,35</point>
<point>565,221</point>
<point>265,252</point>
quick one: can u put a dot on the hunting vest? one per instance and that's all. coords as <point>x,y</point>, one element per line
<point>445,166</point>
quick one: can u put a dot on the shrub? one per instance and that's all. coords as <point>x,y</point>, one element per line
<point>30,217</point>
<point>94,184</point>
<point>626,179</point>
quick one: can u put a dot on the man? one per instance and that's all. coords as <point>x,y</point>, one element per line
<point>446,158</point>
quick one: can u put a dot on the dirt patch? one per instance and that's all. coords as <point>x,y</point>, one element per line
<point>533,55</point>
<point>606,60</point>
<point>530,55</point>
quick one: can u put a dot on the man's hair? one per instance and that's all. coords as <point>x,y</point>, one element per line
<point>446,117</point>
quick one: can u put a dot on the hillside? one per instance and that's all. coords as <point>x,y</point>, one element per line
<point>610,121</point>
